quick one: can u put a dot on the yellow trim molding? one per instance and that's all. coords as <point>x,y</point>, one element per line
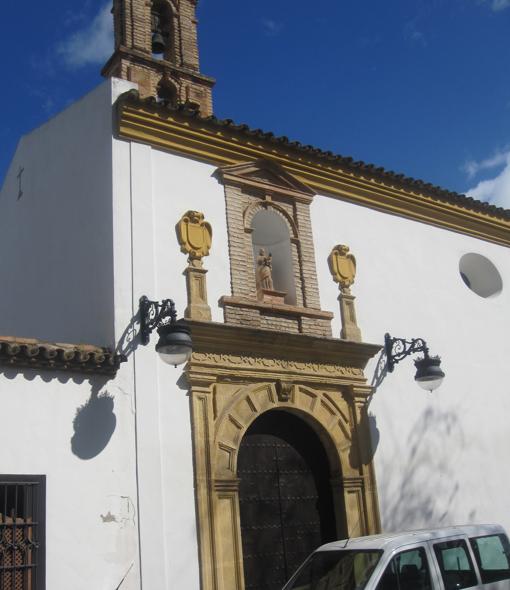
<point>219,146</point>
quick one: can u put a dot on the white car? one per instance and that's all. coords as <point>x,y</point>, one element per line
<point>451,558</point>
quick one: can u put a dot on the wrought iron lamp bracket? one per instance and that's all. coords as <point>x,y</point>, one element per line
<point>397,349</point>
<point>154,314</point>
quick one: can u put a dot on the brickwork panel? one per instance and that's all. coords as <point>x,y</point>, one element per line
<point>314,327</point>
<point>280,324</point>
<point>243,201</point>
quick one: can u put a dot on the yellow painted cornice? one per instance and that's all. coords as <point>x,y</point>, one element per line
<point>222,145</point>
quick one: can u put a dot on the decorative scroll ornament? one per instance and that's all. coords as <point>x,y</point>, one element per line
<point>342,265</point>
<point>194,235</point>
<point>249,362</point>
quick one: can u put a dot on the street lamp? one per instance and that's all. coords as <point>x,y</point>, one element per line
<point>429,375</point>
<point>174,345</point>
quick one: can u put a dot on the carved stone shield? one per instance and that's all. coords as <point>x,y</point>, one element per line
<point>194,234</point>
<point>342,265</point>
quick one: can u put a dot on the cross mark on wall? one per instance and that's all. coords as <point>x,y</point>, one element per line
<point>19,177</point>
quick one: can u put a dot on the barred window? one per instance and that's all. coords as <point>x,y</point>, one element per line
<point>22,503</point>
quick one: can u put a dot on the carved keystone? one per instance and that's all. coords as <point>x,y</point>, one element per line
<point>284,390</point>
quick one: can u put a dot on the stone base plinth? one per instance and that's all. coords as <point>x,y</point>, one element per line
<point>273,297</point>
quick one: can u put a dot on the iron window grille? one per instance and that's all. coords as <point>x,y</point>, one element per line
<point>22,532</point>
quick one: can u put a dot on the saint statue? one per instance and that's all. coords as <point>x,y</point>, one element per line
<point>264,271</point>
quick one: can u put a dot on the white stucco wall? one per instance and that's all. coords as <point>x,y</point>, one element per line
<point>151,192</point>
<point>440,458</point>
<point>56,239</point>
<point>88,459</point>
<point>57,275</point>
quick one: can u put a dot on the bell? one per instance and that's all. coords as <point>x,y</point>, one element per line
<point>158,42</point>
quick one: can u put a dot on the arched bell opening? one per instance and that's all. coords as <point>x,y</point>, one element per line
<point>162,30</point>
<point>286,500</point>
<point>271,235</point>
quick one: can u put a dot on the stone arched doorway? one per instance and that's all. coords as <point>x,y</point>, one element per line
<point>285,498</point>
<point>324,386</point>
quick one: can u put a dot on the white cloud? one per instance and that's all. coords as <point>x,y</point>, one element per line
<point>413,34</point>
<point>495,190</point>
<point>500,5</point>
<point>271,27</point>
<point>92,44</point>
<point>472,168</point>
<point>496,5</point>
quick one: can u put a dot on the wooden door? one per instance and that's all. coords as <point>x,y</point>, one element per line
<point>285,498</point>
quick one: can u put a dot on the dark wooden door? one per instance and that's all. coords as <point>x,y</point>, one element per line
<point>285,498</point>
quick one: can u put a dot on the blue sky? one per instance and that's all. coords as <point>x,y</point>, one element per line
<point>421,87</point>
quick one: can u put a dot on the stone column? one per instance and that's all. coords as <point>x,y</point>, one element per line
<point>350,329</point>
<point>196,286</point>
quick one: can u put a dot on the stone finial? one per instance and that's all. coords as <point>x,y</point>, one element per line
<point>342,265</point>
<point>195,238</point>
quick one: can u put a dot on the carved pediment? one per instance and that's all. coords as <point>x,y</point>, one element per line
<point>266,175</point>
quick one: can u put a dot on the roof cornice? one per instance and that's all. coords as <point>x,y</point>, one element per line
<point>80,358</point>
<point>221,142</point>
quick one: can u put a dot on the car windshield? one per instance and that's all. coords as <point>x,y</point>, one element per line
<point>336,570</point>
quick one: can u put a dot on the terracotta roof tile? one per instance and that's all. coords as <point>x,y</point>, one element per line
<point>36,354</point>
<point>377,172</point>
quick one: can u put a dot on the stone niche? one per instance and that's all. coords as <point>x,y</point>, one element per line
<point>272,258</point>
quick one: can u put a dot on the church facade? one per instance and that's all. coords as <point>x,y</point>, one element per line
<point>284,429</point>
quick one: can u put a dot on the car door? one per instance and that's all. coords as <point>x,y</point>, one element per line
<point>455,563</point>
<point>492,556</point>
<point>409,568</point>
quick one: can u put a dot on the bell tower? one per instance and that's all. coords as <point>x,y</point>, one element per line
<point>156,47</point>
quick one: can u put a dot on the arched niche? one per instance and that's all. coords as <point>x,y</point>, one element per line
<point>168,91</point>
<point>271,233</point>
<point>163,26</point>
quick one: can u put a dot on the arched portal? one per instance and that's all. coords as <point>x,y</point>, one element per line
<point>233,394</point>
<point>285,498</point>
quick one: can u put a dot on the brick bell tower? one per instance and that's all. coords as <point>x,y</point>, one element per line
<point>156,47</point>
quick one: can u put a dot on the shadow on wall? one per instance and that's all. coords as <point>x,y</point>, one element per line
<point>381,370</point>
<point>368,422</point>
<point>129,341</point>
<point>427,487</point>
<point>45,376</point>
<point>365,453</point>
<point>94,423</point>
